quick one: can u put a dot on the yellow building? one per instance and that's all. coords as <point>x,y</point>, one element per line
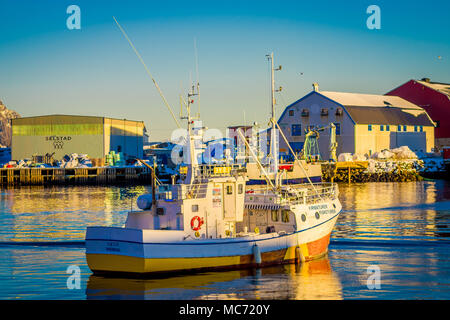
<point>365,123</point>
<point>66,134</point>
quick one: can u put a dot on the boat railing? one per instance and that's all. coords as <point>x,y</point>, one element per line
<point>218,170</point>
<point>189,191</point>
<point>299,194</point>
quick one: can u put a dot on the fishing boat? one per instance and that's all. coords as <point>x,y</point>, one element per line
<point>211,219</point>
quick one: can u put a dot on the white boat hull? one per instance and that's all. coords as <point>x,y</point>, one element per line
<point>141,251</point>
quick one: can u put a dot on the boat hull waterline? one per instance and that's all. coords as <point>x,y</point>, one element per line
<point>109,250</point>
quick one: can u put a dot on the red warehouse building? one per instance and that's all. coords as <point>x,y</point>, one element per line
<point>434,97</point>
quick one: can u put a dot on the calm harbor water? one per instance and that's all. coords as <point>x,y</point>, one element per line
<point>400,229</point>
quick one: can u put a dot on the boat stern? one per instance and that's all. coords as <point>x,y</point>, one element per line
<point>111,249</point>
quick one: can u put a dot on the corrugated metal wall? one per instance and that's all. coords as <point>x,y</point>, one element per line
<point>125,135</point>
<point>64,134</point>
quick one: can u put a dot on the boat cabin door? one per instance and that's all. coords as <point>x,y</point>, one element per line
<point>229,201</point>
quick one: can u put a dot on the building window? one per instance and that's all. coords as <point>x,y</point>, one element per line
<point>296,130</point>
<point>305,113</point>
<point>339,112</point>
<point>388,127</point>
<point>324,112</point>
<point>399,128</point>
<point>381,128</point>
<point>338,128</point>
<point>229,189</point>
<point>405,128</point>
<point>421,128</point>
<point>415,128</point>
<point>291,113</point>
<point>369,127</point>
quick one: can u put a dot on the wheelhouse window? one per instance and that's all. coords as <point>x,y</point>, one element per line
<point>194,208</point>
<point>388,127</point>
<point>274,215</point>
<point>369,127</point>
<point>381,128</point>
<point>229,189</point>
<point>240,188</point>
<point>285,215</point>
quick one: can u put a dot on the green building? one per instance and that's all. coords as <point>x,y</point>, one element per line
<point>66,134</point>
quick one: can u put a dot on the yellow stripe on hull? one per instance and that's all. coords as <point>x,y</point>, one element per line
<point>118,263</point>
<point>304,252</point>
<point>290,253</point>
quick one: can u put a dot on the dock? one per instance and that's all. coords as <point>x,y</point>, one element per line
<point>95,175</point>
<point>356,172</point>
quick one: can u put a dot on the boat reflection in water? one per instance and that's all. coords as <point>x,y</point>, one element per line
<point>310,280</point>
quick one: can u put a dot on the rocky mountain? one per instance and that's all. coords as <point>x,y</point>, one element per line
<point>5,124</point>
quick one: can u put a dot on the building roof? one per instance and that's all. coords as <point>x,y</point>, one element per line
<point>388,116</point>
<point>368,100</point>
<point>380,109</point>
<point>438,86</point>
<point>47,116</point>
<point>240,127</point>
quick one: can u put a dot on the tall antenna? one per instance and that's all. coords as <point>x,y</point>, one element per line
<point>196,71</point>
<point>273,140</point>
<point>181,99</point>
<point>148,72</point>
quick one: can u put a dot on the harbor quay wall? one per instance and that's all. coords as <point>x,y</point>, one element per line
<point>351,171</point>
<point>372,171</point>
<point>94,175</point>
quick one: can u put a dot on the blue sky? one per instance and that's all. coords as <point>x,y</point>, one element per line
<point>46,68</point>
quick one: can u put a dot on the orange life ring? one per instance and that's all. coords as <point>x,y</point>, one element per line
<point>199,223</point>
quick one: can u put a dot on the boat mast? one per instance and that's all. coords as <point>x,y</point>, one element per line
<point>273,155</point>
<point>192,156</point>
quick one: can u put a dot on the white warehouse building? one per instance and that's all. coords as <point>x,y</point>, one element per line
<point>365,123</point>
